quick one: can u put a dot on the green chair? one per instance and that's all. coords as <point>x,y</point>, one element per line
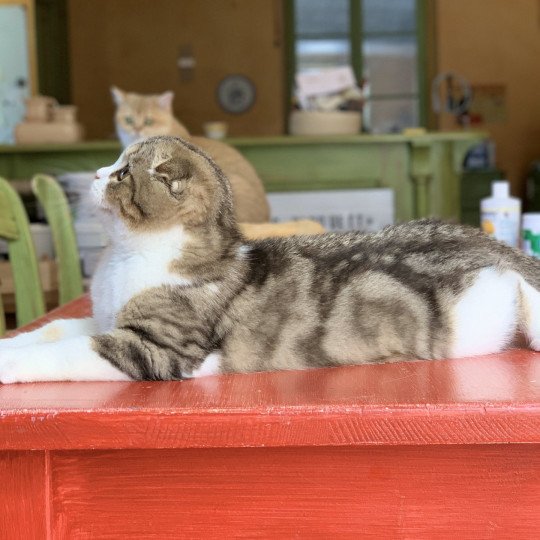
<point>15,229</point>
<point>53,199</point>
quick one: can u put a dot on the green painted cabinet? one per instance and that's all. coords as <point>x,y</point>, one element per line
<point>424,170</point>
<point>532,201</point>
<point>475,185</point>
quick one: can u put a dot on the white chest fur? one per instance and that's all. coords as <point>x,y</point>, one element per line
<point>133,263</point>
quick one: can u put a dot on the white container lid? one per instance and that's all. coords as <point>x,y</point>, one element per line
<point>500,189</point>
<point>531,220</point>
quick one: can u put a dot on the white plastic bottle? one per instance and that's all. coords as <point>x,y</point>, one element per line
<point>501,214</point>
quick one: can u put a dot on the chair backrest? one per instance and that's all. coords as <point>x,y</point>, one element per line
<point>15,228</point>
<point>55,204</point>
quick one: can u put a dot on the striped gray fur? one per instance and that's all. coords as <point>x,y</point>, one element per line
<point>287,303</point>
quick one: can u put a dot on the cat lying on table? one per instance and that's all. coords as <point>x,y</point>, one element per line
<point>181,293</point>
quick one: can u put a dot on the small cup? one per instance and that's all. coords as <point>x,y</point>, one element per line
<point>39,108</point>
<point>215,130</point>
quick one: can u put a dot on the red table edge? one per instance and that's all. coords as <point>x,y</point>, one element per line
<point>138,429</point>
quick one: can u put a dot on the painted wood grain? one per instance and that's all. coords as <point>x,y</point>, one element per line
<point>23,495</point>
<point>478,492</point>
<point>339,428</point>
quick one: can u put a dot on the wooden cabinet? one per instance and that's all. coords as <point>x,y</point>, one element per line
<point>136,45</point>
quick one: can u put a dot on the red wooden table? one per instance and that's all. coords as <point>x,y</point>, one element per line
<point>446,449</point>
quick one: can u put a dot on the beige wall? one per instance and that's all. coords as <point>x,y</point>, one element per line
<point>135,45</point>
<point>497,42</point>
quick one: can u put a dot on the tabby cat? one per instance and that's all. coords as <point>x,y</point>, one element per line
<point>140,116</point>
<point>181,293</point>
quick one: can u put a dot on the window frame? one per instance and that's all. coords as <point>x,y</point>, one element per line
<point>355,36</point>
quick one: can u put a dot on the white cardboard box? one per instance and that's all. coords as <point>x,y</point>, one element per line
<point>366,210</point>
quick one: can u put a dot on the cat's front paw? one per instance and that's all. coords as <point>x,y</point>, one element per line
<point>12,366</point>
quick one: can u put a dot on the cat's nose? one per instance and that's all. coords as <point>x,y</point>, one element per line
<point>101,173</point>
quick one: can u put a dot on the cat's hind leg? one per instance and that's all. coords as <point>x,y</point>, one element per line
<point>530,313</point>
<point>50,332</point>
<point>485,318</point>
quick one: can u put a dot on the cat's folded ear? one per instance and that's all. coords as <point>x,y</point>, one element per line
<point>117,94</point>
<point>165,100</point>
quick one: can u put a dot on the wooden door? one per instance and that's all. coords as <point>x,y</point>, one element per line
<point>136,44</point>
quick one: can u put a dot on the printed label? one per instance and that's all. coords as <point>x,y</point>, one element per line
<point>531,243</point>
<point>502,226</point>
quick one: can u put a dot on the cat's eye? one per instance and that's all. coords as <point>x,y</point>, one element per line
<point>148,121</point>
<point>128,120</point>
<point>122,173</point>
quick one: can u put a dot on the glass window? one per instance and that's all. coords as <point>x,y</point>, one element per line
<point>382,49</point>
<point>390,116</point>
<point>316,17</point>
<point>390,64</point>
<point>388,16</point>
<point>320,53</point>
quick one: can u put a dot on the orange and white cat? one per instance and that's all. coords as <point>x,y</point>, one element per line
<point>139,116</point>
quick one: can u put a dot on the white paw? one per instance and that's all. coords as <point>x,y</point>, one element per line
<point>20,340</point>
<point>11,366</point>
<point>535,344</point>
<point>6,343</point>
